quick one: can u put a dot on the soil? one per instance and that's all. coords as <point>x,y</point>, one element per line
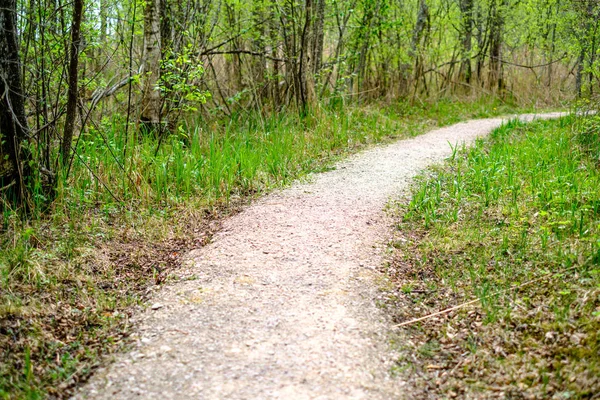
<point>284,302</point>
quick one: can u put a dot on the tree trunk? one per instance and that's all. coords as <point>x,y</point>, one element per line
<point>274,36</point>
<point>73,86</point>
<point>421,27</point>
<point>495,33</point>
<point>579,75</point>
<point>305,76</point>
<point>259,63</point>
<point>341,24</point>
<point>319,36</point>
<point>593,45</point>
<point>236,44</point>
<point>367,23</point>
<point>15,167</point>
<point>168,16</point>
<point>103,21</point>
<point>466,9</point>
<point>150,115</point>
<point>551,57</point>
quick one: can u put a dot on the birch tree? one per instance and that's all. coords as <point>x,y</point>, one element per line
<point>151,100</point>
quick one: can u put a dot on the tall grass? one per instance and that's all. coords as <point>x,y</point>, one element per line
<point>246,154</point>
<point>514,223</point>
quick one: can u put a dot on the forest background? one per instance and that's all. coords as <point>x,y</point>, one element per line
<point>116,116</point>
<point>176,68</point>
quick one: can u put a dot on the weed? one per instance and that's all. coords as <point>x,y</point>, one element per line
<point>514,223</point>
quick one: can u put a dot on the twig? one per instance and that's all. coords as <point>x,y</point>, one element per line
<point>528,66</point>
<point>96,176</point>
<point>252,53</point>
<point>457,307</point>
<point>355,94</point>
<point>2,189</point>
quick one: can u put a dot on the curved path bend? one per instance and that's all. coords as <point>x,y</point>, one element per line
<point>282,303</point>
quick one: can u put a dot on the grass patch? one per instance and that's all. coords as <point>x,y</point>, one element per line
<point>515,224</point>
<point>71,277</point>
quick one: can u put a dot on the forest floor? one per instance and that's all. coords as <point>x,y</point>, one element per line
<point>285,300</point>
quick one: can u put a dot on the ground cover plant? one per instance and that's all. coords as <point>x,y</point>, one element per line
<point>506,238</point>
<point>72,276</point>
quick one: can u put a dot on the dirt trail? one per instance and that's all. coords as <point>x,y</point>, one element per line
<point>282,304</point>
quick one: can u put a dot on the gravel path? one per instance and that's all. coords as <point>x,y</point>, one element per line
<point>282,304</point>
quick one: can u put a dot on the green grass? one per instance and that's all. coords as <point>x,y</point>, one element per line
<point>515,223</point>
<point>245,154</point>
<point>71,276</point>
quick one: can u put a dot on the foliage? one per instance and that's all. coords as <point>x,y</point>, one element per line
<point>224,58</point>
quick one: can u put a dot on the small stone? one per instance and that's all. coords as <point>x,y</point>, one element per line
<point>157,306</point>
<point>577,338</point>
<point>550,335</point>
<point>165,349</point>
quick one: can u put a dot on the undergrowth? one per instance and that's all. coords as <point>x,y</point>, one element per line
<point>509,232</point>
<point>71,276</point>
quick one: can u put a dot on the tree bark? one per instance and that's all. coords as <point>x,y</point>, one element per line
<point>103,21</point>
<point>305,75</point>
<point>466,9</point>
<point>73,85</point>
<point>495,34</point>
<point>367,24</point>
<point>319,36</point>
<point>150,115</point>
<point>274,38</point>
<point>15,166</point>
<point>422,27</point>
<point>579,75</point>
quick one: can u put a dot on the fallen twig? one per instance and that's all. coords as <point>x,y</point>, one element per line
<point>468,303</point>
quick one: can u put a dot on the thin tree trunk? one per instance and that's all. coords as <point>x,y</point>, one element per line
<point>593,55</point>
<point>362,55</point>
<point>305,76</point>
<point>274,36</point>
<point>167,36</point>
<point>258,63</point>
<point>341,28</point>
<point>73,85</point>
<point>103,21</point>
<point>236,44</point>
<point>482,42</point>
<point>150,115</point>
<point>466,9</point>
<point>15,166</point>
<point>319,36</point>
<point>421,26</point>
<point>551,58</point>
<point>579,74</point>
<point>371,13</point>
<point>495,80</point>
